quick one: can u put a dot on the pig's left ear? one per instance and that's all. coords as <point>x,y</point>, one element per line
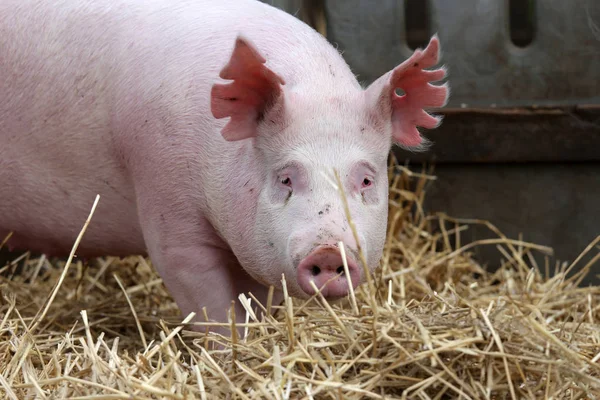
<point>408,110</point>
<point>254,90</point>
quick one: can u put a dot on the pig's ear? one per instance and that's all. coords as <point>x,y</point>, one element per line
<point>407,111</point>
<point>255,88</point>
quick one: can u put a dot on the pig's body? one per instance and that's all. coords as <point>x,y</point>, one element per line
<point>114,98</point>
<point>90,89</point>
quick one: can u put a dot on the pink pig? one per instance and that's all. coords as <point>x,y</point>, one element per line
<point>221,182</point>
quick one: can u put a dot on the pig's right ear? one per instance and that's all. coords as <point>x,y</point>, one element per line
<point>254,90</point>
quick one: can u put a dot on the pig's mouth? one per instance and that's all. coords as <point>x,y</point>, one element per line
<point>324,267</point>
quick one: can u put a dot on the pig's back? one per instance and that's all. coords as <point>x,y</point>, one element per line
<point>55,143</point>
<point>75,77</point>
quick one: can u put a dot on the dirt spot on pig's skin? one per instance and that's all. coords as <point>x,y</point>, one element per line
<point>296,261</point>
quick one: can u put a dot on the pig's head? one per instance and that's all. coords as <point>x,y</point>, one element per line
<point>299,134</point>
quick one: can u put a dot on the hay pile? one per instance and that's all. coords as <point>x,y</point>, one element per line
<point>431,323</point>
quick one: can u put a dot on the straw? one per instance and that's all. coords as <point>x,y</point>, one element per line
<point>431,323</point>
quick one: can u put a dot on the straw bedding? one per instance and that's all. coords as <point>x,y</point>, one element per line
<point>431,323</point>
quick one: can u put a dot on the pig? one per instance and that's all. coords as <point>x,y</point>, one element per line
<point>209,129</point>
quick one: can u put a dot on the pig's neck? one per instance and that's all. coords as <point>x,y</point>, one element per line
<point>233,195</point>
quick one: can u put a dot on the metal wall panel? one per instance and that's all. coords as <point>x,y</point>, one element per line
<point>560,67</point>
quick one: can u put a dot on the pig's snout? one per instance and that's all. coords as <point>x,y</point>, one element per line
<point>325,267</point>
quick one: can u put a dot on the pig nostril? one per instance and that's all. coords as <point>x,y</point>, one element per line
<point>316,270</point>
<point>340,270</point>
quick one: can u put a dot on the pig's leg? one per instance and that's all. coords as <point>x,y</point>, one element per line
<point>198,269</point>
<point>205,275</point>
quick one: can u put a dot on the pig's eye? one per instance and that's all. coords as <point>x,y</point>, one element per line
<point>366,183</point>
<point>286,181</point>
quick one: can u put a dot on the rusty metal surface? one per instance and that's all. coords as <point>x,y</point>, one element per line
<point>551,204</point>
<point>488,74</point>
<point>513,135</point>
<point>560,67</point>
